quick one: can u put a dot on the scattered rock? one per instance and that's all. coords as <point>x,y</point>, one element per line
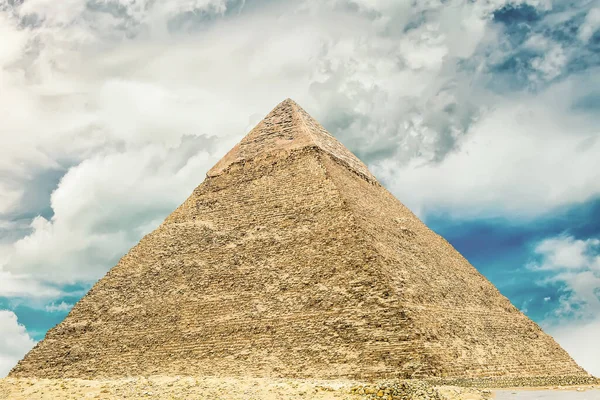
<point>398,390</point>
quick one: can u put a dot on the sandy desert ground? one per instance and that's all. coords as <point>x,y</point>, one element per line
<point>221,388</point>
<point>160,387</point>
<point>564,393</point>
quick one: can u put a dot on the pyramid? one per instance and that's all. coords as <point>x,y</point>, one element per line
<point>291,260</point>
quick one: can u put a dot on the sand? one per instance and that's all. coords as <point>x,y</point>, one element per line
<point>160,387</point>
<point>564,393</point>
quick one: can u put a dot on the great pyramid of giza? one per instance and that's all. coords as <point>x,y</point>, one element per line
<point>291,260</point>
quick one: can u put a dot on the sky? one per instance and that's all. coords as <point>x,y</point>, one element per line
<point>483,117</point>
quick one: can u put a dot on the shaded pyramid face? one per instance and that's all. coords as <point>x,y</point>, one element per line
<point>290,259</point>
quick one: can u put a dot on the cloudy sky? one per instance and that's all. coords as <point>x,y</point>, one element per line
<point>482,116</point>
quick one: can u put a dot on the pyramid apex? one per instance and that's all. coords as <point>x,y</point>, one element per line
<point>289,127</point>
<point>285,109</point>
<point>286,105</point>
<point>288,101</point>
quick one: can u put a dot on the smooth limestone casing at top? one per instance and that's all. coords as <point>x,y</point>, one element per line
<point>291,260</point>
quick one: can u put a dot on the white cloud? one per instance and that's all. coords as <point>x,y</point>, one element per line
<point>575,265</point>
<point>581,341</point>
<point>14,341</point>
<point>566,252</point>
<point>507,165</point>
<point>61,307</point>
<point>103,206</point>
<point>551,64</point>
<point>590,25</point>
<point>552,60</point>
<point>24,285</point>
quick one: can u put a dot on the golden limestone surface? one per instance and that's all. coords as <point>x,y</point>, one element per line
<point>291,260</point>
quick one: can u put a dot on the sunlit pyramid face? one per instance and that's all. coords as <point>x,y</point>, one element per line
<point>291,260</point>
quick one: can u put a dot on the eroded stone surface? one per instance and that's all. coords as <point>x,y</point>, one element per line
<point>290,260</point>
